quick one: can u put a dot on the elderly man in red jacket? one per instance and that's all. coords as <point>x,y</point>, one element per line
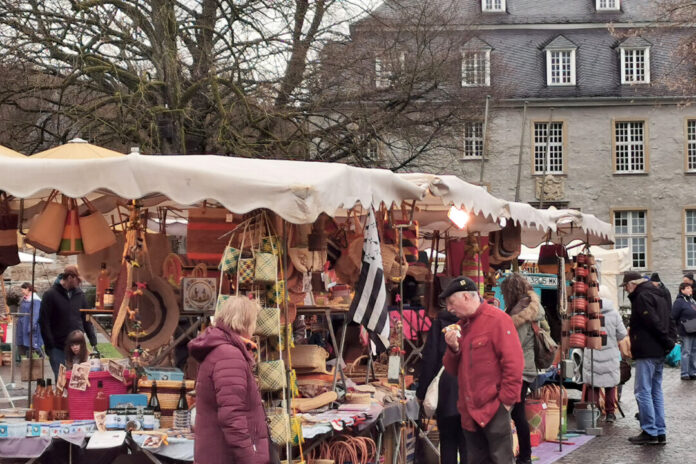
<point>484,352</point>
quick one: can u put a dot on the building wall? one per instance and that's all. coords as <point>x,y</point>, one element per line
<point>589,180</point>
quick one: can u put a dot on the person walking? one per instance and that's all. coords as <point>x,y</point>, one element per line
<point>60,314</point>
<point>230,419</point>
<point>484,353</point>
<point>601,370</point>
<point>651,341</point>
<point>449,422</point>
<point>25,324</point>
<point>684,310</point>
<point>524,307</point>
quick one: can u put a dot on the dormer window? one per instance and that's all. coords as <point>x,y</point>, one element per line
<point>493,6</point>
<point>634,57</point>
<point>560,62</point>
<point>608,5</point>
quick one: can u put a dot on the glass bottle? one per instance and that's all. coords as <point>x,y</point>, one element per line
<point>103,283</point>
<point>181,414</point>
<point>49,398</point>
<point>154,404</point>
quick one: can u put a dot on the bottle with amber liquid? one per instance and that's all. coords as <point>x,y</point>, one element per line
<point>103,283</point>
<point>40,404</point>
<point>49,399</point>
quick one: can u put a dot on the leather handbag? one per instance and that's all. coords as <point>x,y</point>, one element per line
<point>71,242</point>
<point>271,375</point>
<point>432,395</point>
<point>9,255</point>
<point>268,322</point>
<point>46,232</point>
<point>96,233</point>
<point>544,347</point>
<point>689,326</point>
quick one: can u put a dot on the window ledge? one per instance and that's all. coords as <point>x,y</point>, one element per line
<point>555,174</point>
<point>631,173</point>
<point>475,158</point>
<point>690,173</point>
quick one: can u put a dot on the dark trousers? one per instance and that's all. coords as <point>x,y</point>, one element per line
<point>593,395</point>
<point>451,440</point>
<point>491,444</point>
<point>521,425</point>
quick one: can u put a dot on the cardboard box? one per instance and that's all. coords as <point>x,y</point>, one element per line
<point>164,373</point>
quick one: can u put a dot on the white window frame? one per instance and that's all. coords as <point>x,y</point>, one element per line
<point>608,5</point>
<point>690,236</point>
<point>373,150</point>
<point>385,70</point>
<point>473,140</point>
<point>493,6</point>
<point>633,148</point>
<point>549,68</point>
<point>554,165</point>
<point>473,57</point>
<point>628,54</point>
<point>631,237</point>
<point>691,145</point>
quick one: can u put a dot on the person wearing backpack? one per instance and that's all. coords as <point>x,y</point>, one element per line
<point>652,335</point>
<point>524,307</point>
<point>684,314</point>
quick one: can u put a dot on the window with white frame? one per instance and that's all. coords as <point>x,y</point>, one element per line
<point>631,231</point>
<point>690,237</point>
<point>492,5</point>
<point>372,150</point>
<point>608,5</point>
<point>473,140</point>
<point>630,146</point>
<point>560,67</point>
<point>476,68</point>
<point>548,147</point>
<point>691,145</point>
<point>387,71</point>
<point>635,65</point>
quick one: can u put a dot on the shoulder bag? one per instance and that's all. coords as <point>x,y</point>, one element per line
<point>432,395</point>
<point>544,347</point>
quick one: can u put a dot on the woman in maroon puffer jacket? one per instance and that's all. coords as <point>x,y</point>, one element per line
<point>230,420</point>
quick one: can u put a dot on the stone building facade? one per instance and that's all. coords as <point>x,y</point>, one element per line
<point>595,74</point>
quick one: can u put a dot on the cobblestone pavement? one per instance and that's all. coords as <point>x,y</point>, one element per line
<point>613,447</point>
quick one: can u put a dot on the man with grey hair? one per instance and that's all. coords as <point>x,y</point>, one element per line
<point>484,353</point>
<point>651,340</point>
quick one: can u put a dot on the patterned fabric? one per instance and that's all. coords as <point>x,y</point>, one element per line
<point>220,301</point>
<point>246,272</point>
<point>275,293</point>
<point>271,375</point>
<point>229,261</point>
<point>268,322</point>
<point>270,244</point>
<point>266,267</point>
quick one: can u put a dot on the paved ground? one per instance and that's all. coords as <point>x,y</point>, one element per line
<point>613,447</point>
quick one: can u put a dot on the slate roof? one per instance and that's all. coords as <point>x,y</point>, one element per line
<point>560,43</point>
<point>527,11</point>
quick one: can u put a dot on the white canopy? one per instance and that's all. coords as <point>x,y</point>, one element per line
<point>297,191</point>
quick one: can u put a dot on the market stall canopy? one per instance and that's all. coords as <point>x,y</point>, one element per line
<point>77,149</point>
<point>9,153</point>
<point>298,191</point>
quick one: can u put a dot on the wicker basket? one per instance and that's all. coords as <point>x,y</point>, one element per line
<point>81,403</point>
<point>168,391</point>
<point>358,371</point>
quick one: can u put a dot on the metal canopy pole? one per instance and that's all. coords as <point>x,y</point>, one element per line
<point>31,328</point>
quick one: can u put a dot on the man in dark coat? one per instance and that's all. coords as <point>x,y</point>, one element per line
<point>447,416</point>
<point>60,314</point>
<point>651,332</point>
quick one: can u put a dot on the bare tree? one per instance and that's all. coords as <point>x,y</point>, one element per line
<point>680,15</point>
<point>256,78</point>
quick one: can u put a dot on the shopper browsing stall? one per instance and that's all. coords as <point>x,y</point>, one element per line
<point>25,324</point>
<point>523,305</point>
<point>60,315</point>
<point>230,419</point>
<point>684,315</point>
<point>485,354</point>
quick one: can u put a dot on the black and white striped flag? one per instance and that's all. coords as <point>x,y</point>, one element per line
<point>369,306</point>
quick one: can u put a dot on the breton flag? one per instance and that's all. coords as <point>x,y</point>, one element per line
<point>369,306</point>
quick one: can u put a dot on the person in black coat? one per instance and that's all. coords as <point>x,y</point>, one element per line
<point>684,309</point>
<point>60,315</point>
<point>447,416</point>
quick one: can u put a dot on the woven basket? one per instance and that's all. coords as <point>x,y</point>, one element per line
<point>357,370</point>
<point>81,403</point>
<point>308,359</point>
<point>168,392</point>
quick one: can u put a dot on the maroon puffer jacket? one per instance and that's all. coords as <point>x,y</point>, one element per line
<point>230,420</point>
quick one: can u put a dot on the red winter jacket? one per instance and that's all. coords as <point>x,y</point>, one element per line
<point>489,365</point>
<point>230,420</point>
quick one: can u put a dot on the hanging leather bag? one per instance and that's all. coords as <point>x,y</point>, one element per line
<point>71,242</point>
<point>46,232</point>
<point>9,255</point>
<point>96,233</point>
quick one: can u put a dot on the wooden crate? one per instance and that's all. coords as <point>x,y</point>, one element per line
<point>37,368</point>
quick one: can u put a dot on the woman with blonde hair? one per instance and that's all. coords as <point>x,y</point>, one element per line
<point>230,420</point>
